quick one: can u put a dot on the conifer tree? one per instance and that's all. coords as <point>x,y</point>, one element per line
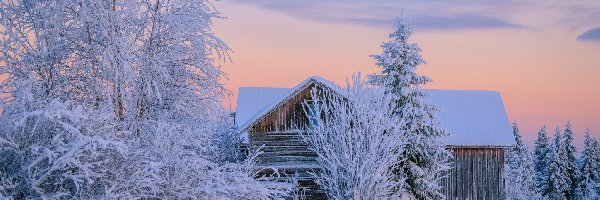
<point>587,183</point>
<point>556,184</point>
<point>596,151</point>
<point>425,154</point>
<point>570,161</point>
<point>542,148</point>
<point>520,170</point>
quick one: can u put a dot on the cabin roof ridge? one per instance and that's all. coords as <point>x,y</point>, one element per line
<point>275,104</point>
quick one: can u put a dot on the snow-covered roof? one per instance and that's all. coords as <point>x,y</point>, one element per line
<point>476,118</point>
<point>253,101</point>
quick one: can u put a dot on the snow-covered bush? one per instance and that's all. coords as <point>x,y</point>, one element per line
<point>357,141</point>
<point>52,152</point>
<point>179,162</point>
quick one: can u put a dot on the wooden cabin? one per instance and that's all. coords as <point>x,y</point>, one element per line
<point>269,117</point>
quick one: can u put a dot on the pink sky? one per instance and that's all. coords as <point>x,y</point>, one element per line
<point>531,56</point>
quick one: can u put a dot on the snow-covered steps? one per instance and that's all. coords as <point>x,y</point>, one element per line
<point>286,158</point>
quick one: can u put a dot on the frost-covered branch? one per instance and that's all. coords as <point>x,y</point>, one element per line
<point>357,142</point>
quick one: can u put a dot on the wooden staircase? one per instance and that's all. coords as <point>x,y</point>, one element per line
<point>286,157</point>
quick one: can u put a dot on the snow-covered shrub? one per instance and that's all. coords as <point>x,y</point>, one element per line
<point>357,141</point>
<point>51,152</point>
<point>178,162</point>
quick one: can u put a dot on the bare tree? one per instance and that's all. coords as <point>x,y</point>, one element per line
<point>357,140</point>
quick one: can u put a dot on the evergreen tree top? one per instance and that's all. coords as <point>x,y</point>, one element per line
<point>568,138</point>
<point>516,133</point>
<point>588,138</point>
<point>557,138</point>
<point>542,138</point>
<point>403,30</point>
<point>399,60</point>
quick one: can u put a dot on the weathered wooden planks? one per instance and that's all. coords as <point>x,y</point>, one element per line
<point>289,115</point>
<point>285,156</point>
<point>476,173</point>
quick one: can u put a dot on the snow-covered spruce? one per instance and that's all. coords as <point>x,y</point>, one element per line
<point>588,182</point>
<point>425,154</point>
<point>556,183</point>
<point>570,161</point>
<point>542,148</point>
<point>116,99</point>
<point>520,172</point>
<point>357,141</point>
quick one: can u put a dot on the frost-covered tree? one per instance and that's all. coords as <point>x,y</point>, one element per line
<point>570,161</point>
<point>542,148</point>
<point>556,184</point>
<point>520,172</point>
<point>115,99</point>
<point>175,56</point>
<point>56,146</point>
<point>357,142</point>
<point>589,177</point>
<point>425,154</point>
<point>68,50</point>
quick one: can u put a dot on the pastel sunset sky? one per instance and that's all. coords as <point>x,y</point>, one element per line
<point>543,56</point>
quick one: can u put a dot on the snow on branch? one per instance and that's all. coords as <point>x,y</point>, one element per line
<point>357,142</point>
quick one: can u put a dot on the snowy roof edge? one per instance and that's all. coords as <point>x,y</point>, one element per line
<point>265,111</point>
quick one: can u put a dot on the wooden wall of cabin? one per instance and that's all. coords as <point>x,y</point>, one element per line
<point>288,116</point>
<point>476,173</point>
